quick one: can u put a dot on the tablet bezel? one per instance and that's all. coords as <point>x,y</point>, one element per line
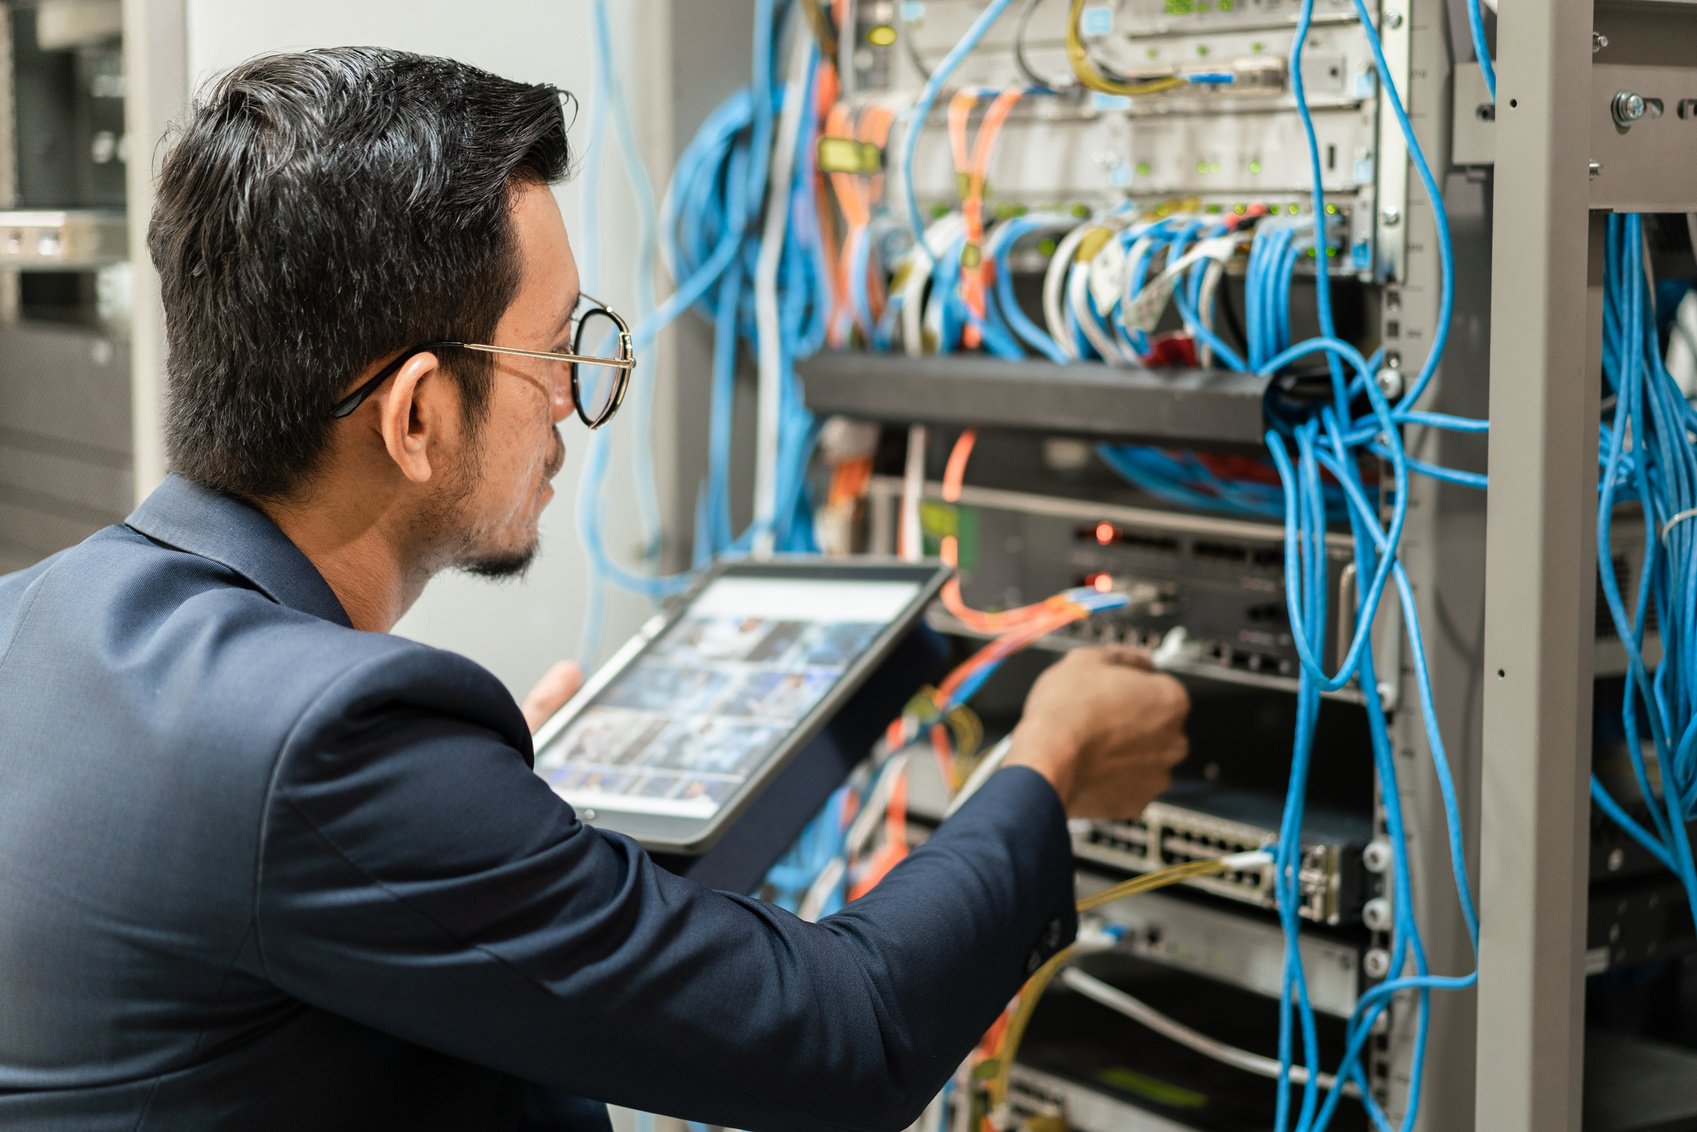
<point>691,835</point>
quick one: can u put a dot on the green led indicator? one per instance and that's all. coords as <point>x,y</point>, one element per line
<point>1202,50</point>
<point>938,211</point>
<point>1311,254</point>
<point>1331,210</point>
<point>1241,209</point>
<point>1294,209</point>
<point>1331,253</point>
<point>1226,5</point>
<point>1081,210</point>
<point>1153,53</point>
<point>1255,168</point>
<point>1144,169</point>
<point>1257,47</point>
<point>1020,210</point>
<point>1202,167</point>
<point>1046,246</point>
<point>1215,210</point>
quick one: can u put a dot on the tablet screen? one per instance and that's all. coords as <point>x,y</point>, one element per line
<point>679,730</point>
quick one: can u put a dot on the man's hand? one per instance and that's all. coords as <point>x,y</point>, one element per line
<point>559,684</point>
<point>1105,730</point>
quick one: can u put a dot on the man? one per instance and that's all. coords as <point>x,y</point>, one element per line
<point>264,865</point>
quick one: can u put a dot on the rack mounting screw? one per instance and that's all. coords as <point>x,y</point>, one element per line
<point>1598,41</point>
<point>1376,914</point>
<point>1376,963</point>
<point>1391,216</point>
<point>1628,107</point>
<point>1393,19</point>
<point>1390,384</point>
<point>1376,857</point>
<point>1596,168</point>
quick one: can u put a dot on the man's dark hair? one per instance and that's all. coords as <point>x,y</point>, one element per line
<point>320,211</point>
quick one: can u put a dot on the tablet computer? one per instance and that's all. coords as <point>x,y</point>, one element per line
<point>674,738</point>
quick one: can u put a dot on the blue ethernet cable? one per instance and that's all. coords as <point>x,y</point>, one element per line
<point>1662,475</point>
<point>1481,46</point>
<point>1342,470</point>
<point>1322,278</point>
<point>1375,588</point>
<point>647,495</point>
<point>940,76</point>
<point>1434,198</point>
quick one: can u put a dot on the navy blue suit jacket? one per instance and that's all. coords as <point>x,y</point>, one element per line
<point>261,870</point>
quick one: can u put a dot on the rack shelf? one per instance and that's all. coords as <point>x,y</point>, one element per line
<point>1089,400</point>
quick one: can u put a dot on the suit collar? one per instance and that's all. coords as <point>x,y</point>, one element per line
<point>184,515</point>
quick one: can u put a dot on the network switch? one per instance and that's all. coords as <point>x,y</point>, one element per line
<point>1090,1069</point>
<point>1197,820</point>
<point>1223,580</point>
<point>1633,922</point>
<point>1229,946</point>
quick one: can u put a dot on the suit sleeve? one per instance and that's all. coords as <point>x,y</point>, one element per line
<point>418,877</point>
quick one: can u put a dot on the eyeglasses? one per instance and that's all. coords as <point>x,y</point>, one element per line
<point>599,379</point>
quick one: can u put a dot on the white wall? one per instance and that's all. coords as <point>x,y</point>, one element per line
<point>514,629</point>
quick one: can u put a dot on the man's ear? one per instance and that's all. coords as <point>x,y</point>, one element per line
<point>415,411</point>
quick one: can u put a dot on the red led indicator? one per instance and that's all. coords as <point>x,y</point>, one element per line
<point>1102,582</point>
<point>1105,533</point>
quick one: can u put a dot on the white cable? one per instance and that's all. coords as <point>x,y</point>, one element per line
<point>919,263</point>
<point>931,1120</point>
<point>1137,256</point>
<point>1682,346</point>
<point>1683,517</point>
<point>919,266</point>
<point>1054,280</point>
<point>846,47</point>
<point>1078,298</point>
<point>912,540</point>
<point>770,347</point>
<point>1175,650</point>
<point>814,902</point>
<point>988,765</point>
<point>865,823</point>
<point>1144,1014</point>
<point>1212,276</point>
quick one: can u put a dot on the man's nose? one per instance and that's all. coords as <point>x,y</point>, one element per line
<point>562,393</point>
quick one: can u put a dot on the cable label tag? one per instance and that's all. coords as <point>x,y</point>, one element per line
<point>1107,274</point>
<point>849,155</point>
<point>1145,311</point>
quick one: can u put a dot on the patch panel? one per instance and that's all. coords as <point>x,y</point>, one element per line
<point>1200,821</point>
<point>1230,143</point>
<point>1241,158</point>
<point>1198,936</point>
<point>1131,36</point>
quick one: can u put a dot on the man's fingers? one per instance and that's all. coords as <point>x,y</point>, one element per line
<point>1129,656</point>
<point>559,684</point>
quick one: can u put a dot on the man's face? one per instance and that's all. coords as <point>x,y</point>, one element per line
<point>495,496</point>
